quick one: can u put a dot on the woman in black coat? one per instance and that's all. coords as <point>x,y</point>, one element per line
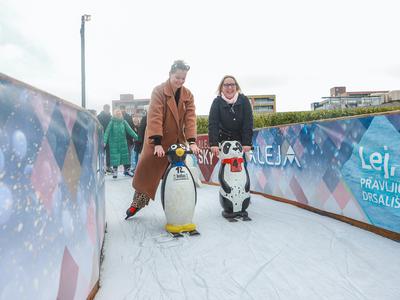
<point>231,116</point>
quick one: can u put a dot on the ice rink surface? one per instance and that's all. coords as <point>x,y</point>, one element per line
<point>284,253</point>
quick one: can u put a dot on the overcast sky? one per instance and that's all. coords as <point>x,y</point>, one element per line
<point>294,49</point>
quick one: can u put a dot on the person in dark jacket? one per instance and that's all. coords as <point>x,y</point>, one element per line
<point>141,132</point>
<point>134,149</point>
<point>231,116</point>
<point>115,135</point>
<point>128,118</point>
<point>104,118</point>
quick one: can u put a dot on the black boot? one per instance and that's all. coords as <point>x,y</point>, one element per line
<point>115,172</point>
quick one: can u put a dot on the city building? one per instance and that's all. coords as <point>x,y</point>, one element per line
<point>132,106</point>
<point>340,99</point>
<point>263,103</point>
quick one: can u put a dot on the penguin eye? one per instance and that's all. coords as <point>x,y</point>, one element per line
<point>226,148</point>
<point>239,146</point>
<point>173,147</point>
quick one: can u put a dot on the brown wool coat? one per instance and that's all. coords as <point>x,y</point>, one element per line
<point>174,124</point>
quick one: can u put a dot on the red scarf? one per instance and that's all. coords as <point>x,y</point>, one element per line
<point>235,162</point>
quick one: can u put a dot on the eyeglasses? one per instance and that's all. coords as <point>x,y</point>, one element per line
<point>229,85</point>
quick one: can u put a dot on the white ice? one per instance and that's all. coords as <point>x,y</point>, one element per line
<point>284,253</point>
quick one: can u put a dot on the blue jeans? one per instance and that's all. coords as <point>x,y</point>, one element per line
<point>134,159</point>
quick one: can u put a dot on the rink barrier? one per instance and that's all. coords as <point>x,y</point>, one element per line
<point>52,209</point>
<point>345,168</point>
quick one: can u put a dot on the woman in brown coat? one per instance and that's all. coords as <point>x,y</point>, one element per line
<point>171,119</point>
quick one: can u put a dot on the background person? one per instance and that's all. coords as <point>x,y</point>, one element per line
<point>231,116</point>
<point>141,132</point>
<point>128,118</point>
<point>115,136</point>
<point>171,119</point>
<point>104,118</point>
<point>136,145</point>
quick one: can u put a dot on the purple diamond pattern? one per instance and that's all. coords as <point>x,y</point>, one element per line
<point>71,171</point>
<point>69,277</point>
<point>58,136</point>
<point>298,191</point>
<point>45,175</point>
<point>43,110</point>
<point>69,116</point>
<point>341,195</point>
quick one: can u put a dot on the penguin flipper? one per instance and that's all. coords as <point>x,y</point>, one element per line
<point>247,185</point>
<point>225,186</point>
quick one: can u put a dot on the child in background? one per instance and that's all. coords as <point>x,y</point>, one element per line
<point>115,135</point>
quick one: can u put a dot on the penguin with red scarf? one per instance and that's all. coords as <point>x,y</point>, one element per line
<point>234,194</point>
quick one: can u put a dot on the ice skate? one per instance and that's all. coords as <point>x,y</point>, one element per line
<point>131,211</point>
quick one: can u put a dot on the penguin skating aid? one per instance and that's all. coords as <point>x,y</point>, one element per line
<point>234,194</point>
<point>178,193</point>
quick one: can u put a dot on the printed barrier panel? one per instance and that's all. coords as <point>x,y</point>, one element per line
<point>52,210</point>
<point>349,167</point>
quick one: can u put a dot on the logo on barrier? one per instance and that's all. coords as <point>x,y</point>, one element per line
<point>375,189</point>
<point>206,159</point>
<point>377,161</point>
<point>273,156</point>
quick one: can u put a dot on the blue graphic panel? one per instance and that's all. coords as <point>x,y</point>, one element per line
<point>372,173</point>
<point>349,167</point>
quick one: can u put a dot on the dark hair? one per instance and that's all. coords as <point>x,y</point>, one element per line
<point>222,83</point>
<point>179,65</point>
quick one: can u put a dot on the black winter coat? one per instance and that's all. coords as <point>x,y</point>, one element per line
<point>104,118</point>
<point>141,132</point>
<point>127,117</point>
<point>230,122</point>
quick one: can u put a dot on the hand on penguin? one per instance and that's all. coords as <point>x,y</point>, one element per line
<point>246,148</point>
<point>159,151</point>
<point>195,149</point>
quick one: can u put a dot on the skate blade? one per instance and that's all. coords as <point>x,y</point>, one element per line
<point>193,232</point>
<point>176,234</point>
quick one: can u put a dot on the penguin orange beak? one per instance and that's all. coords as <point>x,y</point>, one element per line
<point>179,152</point>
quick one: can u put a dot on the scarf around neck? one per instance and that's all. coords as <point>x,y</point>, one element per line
<point>230,101</point>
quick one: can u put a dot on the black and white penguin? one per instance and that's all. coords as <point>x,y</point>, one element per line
<point>234,194</point>
<point>178,192</point>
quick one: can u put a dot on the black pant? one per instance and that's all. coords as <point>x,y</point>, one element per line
<point>108,155</point>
